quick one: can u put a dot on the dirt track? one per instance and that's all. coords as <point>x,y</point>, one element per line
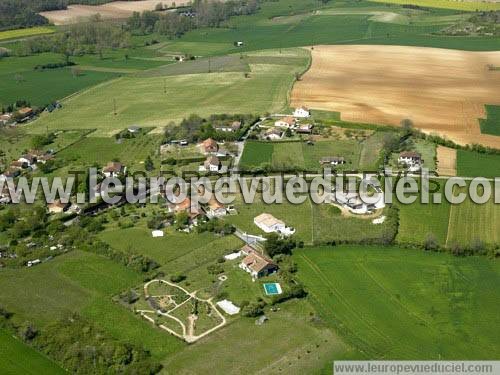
<point>441,91</point>
<point>114,10</point>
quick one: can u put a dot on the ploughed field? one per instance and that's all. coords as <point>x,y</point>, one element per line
<point>441,91</point>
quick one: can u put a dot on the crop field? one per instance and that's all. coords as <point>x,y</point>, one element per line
<point>471,222</point>
<point>113,10</point>
<point>17,358</point>
<point>408,91</point>
<point>143,101</point>
<point>21,33</point>
<point>491,125</point>
<point>421,305</point>
<point>418,221</point>
<point>470,5</point>
<point>446,161</point>
<point>473,164</point>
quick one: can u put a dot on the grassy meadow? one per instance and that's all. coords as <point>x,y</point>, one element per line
<point>143,101</point>
<point>469,6</point>
<point>473,164</point>
<point>17,358</point>
<point>491,124</point>
<point>420,305</point>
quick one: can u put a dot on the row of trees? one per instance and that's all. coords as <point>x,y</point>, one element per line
<point>202,14</point>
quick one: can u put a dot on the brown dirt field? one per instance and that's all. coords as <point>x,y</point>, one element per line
<point>441,91</point>
<point>446,161</point>
<point>114,10</point>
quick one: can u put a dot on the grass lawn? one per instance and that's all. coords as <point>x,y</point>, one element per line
<point>369,159</point>
<point>142,101</point>
<point>101,150</point>
<point>470,222</point>
<point>177,249</point>
<point>21,33</point>
<point>405,304</point>
<point>299,155</point>
<point>289,342</point>
<point>473,164</point>
<point>17,358</point>
<point>329,225</point>
<point>491,125</point>
<point>297,216</point>
<point>84,283</point>
<point>418,220</point>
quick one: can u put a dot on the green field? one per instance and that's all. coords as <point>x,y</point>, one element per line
<point>418,221</point>
<point>292,23</point>
<point>299,155</point>
<point>99,150</point>
<point>17,358</point>
<point>143,101</point>
<point>473,164</point>
<point>470,5</point>
<point>405,304</point>
<point>471,222</point>
<point>491,125</point>
<point>21,33</point>
<point>84,283</point>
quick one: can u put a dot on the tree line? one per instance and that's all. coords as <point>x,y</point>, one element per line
<point>200,14</point>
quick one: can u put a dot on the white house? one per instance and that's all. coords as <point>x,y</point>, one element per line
<point>286,122</point>
<point>216,209</point>
<point>302,112</point>
<point>410,158</point>
<point>212,164</point>
<point>332,160</point>
<point>268,223</point>
<point>273,134</point>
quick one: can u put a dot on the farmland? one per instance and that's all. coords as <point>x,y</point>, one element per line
<point>473,224</point>
<point>470,5</point>
<point>143,101</point>
<point>16,358</point>
<point>422,305</point>
<point>329,85</point>
<point>21,33</point>
<point>491,124</point>
<point>473,164</point>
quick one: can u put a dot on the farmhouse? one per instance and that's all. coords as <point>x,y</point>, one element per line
<point>305,129</point>
<point>212,164</point>
<point>187,206</point>
<point>273,134</point>
<point>286,122</point>
<point>302,112</point>
<point>215,209</point>
<point>410,158</point>
<point>113,169</point>
<point>209,146</point>
<point>268,223</point>
<point>28,159</point>
<point>57,207</point>
<point>5,118</point>
<point>234,127</point>
<point>24,114</point>
<point>332,160</point>
<point>256,264</point>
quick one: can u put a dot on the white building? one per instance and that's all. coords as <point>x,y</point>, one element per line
<point>268,223</point>
<point>410,158</point>
<point>302,112</point>
<point>286,122</point>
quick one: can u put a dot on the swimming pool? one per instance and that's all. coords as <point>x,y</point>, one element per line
<point>272,289</point>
